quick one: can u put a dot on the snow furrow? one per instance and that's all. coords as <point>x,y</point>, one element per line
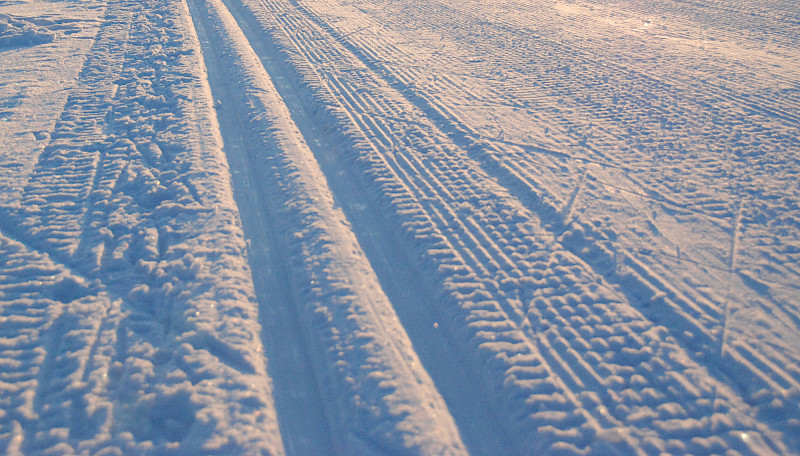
<point>377,397</point>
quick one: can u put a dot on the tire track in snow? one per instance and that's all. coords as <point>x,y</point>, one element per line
<point>377,397</point>
<point>632,337</point>
<point>26,318</point>
<point>601,85</point>
<point>700,317</point>
<point>658,282</point>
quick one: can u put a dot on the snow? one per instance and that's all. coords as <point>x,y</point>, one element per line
<point>399,227</point>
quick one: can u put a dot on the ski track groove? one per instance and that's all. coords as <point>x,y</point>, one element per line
<point>294,388</point>
<point>344,308</point>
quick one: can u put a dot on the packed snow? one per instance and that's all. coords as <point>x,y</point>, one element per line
<point>423,227</point>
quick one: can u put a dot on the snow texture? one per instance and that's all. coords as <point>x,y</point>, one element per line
<point>423,227</point>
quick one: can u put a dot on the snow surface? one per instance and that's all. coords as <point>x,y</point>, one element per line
<point>314,227</point>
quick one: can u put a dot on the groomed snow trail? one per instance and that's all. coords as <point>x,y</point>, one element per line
<point>376,395</point>
<point>399,227</point>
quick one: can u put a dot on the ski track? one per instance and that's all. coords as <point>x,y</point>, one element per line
<point>401,227</point>
<point>344,315</point>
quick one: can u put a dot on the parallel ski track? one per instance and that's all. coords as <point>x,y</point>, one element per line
<point>373,393</point>
<point>491,261</point>
<point>301,409</point>
<point>654,283</point>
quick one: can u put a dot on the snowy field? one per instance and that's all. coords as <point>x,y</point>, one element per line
<point>421,227</point>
